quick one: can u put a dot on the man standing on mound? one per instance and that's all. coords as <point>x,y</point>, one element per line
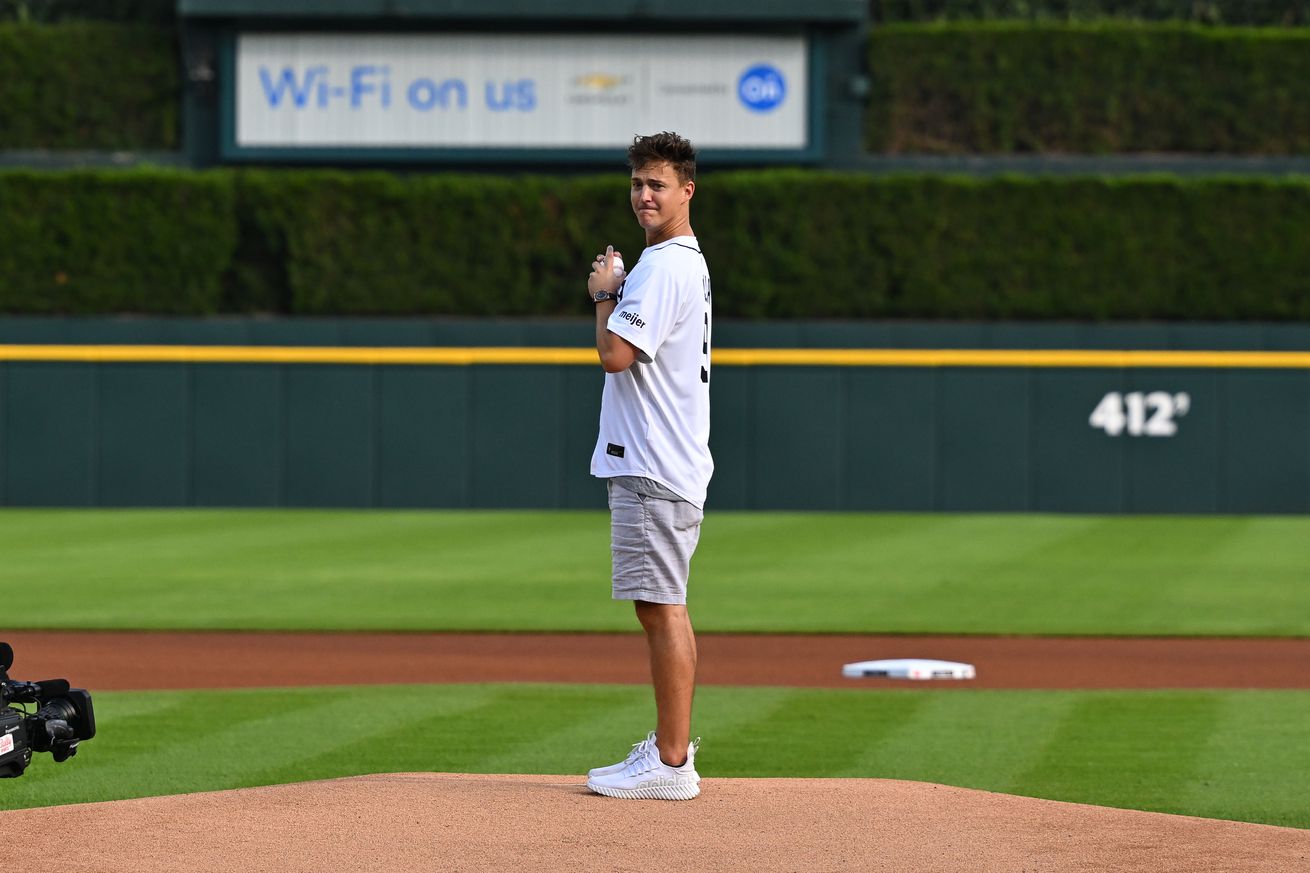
<point>653,338</point>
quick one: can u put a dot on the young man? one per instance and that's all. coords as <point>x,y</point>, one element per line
<point>653,338</point>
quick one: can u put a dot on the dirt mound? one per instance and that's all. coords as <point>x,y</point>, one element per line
<point>435,821</point>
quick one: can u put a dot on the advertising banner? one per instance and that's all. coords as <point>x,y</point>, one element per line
<point>498,91</point>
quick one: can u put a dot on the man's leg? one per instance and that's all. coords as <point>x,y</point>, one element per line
<point>673,673</point>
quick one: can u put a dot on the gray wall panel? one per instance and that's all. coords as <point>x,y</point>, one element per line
<point>983,439</point>
<point>330,449</point>
<point>4,435</point>
<point>800,447</point>
<point>732,436</point>
<point>1076,467</point>
<point>1266,415</point>
<point>423,436</point>
<point>1179,473</point>
<point>50,450</point>
<point>238,435</point>
<point>516,415</point>
<point>891,441</point>
<point>144,435</point>
<point>578,488</point>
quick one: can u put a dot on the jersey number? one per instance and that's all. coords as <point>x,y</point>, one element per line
<point>705,351</point>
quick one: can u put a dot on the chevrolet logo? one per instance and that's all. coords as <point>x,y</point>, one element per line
<point>599,81</point>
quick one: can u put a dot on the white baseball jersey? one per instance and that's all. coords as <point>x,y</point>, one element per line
<point>655,415</point>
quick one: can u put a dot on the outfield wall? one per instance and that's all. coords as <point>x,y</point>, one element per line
<point>868,416</point>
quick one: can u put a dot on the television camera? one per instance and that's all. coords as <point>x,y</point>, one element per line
<point>63,718</point>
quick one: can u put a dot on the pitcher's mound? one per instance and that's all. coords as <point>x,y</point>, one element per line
<point>437,821</point>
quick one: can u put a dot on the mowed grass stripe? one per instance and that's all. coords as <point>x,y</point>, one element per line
<point>789,572</point>
<point>1008,574</point>
<point>803,733</point>
<point>1222,754</point>
<point>309,569</point>
<point>894,572</point>
<point>452,738</point>
<point>974,740</point>
<point>1143,745</point>
<point>215,740</point>
<point>1224,779</point>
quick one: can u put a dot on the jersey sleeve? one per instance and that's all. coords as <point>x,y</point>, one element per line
<point>647,310</point>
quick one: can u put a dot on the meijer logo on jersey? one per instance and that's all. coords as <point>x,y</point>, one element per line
<point>634,318</point>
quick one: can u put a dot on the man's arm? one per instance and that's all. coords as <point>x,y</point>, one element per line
<point>616,353</point>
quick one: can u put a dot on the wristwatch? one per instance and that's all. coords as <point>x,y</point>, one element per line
<point>604,295</point>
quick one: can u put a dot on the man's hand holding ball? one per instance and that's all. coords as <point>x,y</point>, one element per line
<point>606,276</point>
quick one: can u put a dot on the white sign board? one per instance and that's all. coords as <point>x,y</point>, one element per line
<point>305,90</point>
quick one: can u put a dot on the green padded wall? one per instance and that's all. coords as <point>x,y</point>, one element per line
<point>1190,439</point>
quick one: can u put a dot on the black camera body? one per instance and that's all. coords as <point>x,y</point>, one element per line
<point>63,718</point>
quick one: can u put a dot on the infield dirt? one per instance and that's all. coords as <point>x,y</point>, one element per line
<point>115,660</point>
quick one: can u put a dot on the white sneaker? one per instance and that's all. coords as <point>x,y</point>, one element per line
<point>638,749</point>
<point>649,778</point>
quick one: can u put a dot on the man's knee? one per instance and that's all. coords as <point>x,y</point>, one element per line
<point>659,616</point>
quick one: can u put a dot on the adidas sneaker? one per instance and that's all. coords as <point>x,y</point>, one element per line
<point>646,777</point>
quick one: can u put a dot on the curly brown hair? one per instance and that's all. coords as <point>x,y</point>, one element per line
<point>666,147</point>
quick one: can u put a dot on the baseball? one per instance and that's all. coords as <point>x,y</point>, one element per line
<point>618,266</point>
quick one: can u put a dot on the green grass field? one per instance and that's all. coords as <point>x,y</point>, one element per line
<point>791,572</point>
<point>1223,754</point>
<point>1219,754</point>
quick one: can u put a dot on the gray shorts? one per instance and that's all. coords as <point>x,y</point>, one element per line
<point>652,540</point>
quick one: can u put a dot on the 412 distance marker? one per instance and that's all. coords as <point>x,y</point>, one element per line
<point>1139,413</point>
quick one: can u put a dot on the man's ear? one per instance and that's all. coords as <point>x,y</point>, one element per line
<point>690,188</point>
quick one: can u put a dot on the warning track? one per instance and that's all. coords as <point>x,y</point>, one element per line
<point>171,660</point>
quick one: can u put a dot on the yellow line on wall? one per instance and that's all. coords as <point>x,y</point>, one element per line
<point>464,356</point>
<point>1006,358</point>
<point>448,355</point>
